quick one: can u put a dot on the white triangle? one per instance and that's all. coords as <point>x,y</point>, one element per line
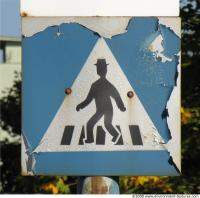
<point>135,113</point>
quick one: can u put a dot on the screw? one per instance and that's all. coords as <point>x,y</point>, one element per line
<point>130,94</point>
<point>24,14</point>
<point>68,91</point>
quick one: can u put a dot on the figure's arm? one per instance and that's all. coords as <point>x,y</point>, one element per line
<point>87,101</point>
<point>118,100</point>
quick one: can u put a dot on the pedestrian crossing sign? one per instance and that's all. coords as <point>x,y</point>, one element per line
<point>96,103</point>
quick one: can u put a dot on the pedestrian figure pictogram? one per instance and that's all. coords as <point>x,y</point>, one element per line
<point>101,91</point>
<point>98,115</point>
<point>103,98</point>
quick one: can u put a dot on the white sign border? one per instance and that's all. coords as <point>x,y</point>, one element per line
<point>99,8</point>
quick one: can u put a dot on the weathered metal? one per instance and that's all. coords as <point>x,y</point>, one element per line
<point>68,91</point>
<point>130,94</point>
<point>116,118</point>
<point>23,14</point>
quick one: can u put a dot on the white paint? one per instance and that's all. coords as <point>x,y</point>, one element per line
<point>26,158</point>
<point>135,113</point>
<point>157,49</point>
<point>104,26</point>
<point>100,7</point>
<point>174,103</point>
<point>174,121</point>
<point>174,23</point>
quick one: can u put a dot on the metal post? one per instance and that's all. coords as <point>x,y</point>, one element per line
<point>98,185</point>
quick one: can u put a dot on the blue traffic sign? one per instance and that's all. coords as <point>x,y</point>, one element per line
<point>94,105</point>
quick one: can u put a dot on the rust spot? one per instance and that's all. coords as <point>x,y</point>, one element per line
<point>68,91</point>
<point>24,14</point>
<point>130,94</point>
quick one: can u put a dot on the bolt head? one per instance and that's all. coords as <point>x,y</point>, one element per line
<point>68,91</point>
<point>130,94</point>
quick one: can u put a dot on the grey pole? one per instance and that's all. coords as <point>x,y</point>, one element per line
<point>98,185</point>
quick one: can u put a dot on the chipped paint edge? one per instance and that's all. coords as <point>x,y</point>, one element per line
<point>174,145</point>
<point>100,25</point>
<point>174,125</point>
<point>27,158</point>
<point>173,105</point>
<point>33,25</point>
<point>171,22</point>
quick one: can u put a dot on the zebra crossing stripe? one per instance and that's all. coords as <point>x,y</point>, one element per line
<point>135,135</point>
<point>67,135</point>
<point>101,135</point>
<point>82,137</point>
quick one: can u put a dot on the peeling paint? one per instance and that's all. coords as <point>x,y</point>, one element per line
<point>172,114</point>
<point>157,48</point>
<point>172,111</point>
<point>103,26</point>
<point>171,22</point>
<point>157,139</point>
<point>51,139</point>
<point>165,114</point>
<point>28,160</point>
<point>171,162</point>
<point>173,117</point>
<point>174,145</point>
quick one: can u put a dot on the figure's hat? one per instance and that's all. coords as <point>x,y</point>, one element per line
<point>101,62</point>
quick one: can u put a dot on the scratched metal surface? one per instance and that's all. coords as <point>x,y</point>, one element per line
<point>51,63</point>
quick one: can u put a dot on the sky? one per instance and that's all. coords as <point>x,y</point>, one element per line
<point>10,18</point>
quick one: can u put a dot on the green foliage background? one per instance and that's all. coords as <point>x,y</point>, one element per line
<point>188,182</point>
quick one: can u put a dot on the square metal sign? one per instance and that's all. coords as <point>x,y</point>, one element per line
<point>101,96</point>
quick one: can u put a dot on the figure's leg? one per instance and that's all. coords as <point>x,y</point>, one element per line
<point>90,126</point>
<point>108,124</point>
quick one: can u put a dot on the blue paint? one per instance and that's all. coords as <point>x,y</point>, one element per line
<point>10,22</point>
<point>104,163</point>
<point>152,80</point>
<point>50,64</point>
<point>171,42</point>
<point>170,69</point>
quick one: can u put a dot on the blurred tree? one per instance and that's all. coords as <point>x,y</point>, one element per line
<point>11,108</point>
<point>189,181</point>
<point>190,14</point>
<point>11,179</point>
